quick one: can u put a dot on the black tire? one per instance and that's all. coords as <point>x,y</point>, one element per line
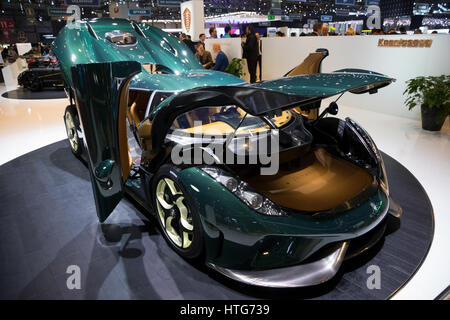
<point>195,249</point>
<point>35,83</point>
<point>76,145</point>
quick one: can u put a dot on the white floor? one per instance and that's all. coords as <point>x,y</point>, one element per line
<point>26,125</point>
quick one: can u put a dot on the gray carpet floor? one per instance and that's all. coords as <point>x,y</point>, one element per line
<point>48,222</point>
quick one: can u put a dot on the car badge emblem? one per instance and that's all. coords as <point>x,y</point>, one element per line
<point>187,19</point>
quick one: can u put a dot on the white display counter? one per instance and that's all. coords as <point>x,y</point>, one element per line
<point>12,71</point>
<point>279,55</point>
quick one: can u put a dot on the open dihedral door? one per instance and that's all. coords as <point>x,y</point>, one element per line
<point>101,95</point>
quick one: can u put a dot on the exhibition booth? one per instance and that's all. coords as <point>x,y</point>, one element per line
<point>134,170</point>
<point>403,61</point>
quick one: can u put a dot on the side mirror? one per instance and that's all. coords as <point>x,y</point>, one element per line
<point>333,108</point>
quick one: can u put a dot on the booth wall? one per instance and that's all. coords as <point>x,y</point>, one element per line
<point>279,55</point>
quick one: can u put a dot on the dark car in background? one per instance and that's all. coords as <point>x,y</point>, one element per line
<point>43,72</point>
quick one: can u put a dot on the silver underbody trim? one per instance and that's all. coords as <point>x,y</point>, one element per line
<point>290,277</point>
<point>394,208</point>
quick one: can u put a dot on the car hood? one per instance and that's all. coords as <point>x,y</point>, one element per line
<point>83,42</point>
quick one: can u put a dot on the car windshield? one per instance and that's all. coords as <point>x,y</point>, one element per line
<point>240,131</point>
<point>121,38</point>
<point>225,120</point>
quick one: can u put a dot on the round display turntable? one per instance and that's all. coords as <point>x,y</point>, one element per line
<point>48,224</point>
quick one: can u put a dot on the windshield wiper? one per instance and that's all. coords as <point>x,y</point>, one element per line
<point>234,132</point>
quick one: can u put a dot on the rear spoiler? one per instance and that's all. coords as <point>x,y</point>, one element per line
<point>325,85</point>
<point>265,98</point>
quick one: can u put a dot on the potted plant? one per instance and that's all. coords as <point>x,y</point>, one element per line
<point>235,67</point>
<point>433,94</point>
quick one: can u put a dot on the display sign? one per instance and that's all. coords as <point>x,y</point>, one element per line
<point>82,3</point>
<point>405,43</point>
<point>312,21</point>
<point>117,10</point>
<point>286,19</point>
<point>372,3</point>
<point>421,9</point>
<point>275,8</point>
<point>325,18</point>
<point>264,24</point>
<point>30,14</point>
<point>275,12</point>
<point>169,3</point>
<point>139,12</point>
<point>59,12</point>
<point>192,18</point>
<point>296,16</point>
<point>345,2</point>
<point>7,29</point>
<point>6,24</point>
<point>218,10</point>
<point>342,12</point>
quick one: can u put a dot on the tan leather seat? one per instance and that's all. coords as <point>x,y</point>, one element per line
<point>134,114</point>
<point>311,65</point>
<point>124,149</point>
<point>144,130</point>
<point>138,107</point>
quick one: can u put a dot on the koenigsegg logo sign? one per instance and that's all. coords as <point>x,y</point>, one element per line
<point>187,19</point>
<point>405,43</point>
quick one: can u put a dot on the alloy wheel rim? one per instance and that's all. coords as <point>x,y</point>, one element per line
<point>174,215</point>
<point>71,132</point>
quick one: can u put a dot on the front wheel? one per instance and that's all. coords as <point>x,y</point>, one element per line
<point>72,127</point>
<point>176,213</point>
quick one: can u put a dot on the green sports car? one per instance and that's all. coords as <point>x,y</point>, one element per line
<point>249,177</point>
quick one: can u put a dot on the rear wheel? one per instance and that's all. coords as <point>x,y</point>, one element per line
<point>72,127</point>
<point>35,83</point>
<point>176,214</point>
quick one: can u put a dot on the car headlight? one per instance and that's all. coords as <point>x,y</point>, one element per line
<point>245,193</point>
<point>370,144</point>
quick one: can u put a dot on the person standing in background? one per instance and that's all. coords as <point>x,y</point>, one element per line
<point>221,58</point>
<point>251,52</point>
<point>325,29</point>
<point>213,33</point>
<point>227,32</point>
<point>350,32</point>
<point>188,42</point>
<point>258,37</point>
<point>202,38</point>
<point>317,28</point>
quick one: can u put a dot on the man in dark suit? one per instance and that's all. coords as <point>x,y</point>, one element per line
<point>251,52</point>
<point>191,45</point>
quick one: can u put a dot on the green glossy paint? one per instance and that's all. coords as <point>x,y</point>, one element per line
<point>84,42</point>
<point>236,236</point>
<point>254,241</point>
<point>323,84</point>
<point>97,88</point>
